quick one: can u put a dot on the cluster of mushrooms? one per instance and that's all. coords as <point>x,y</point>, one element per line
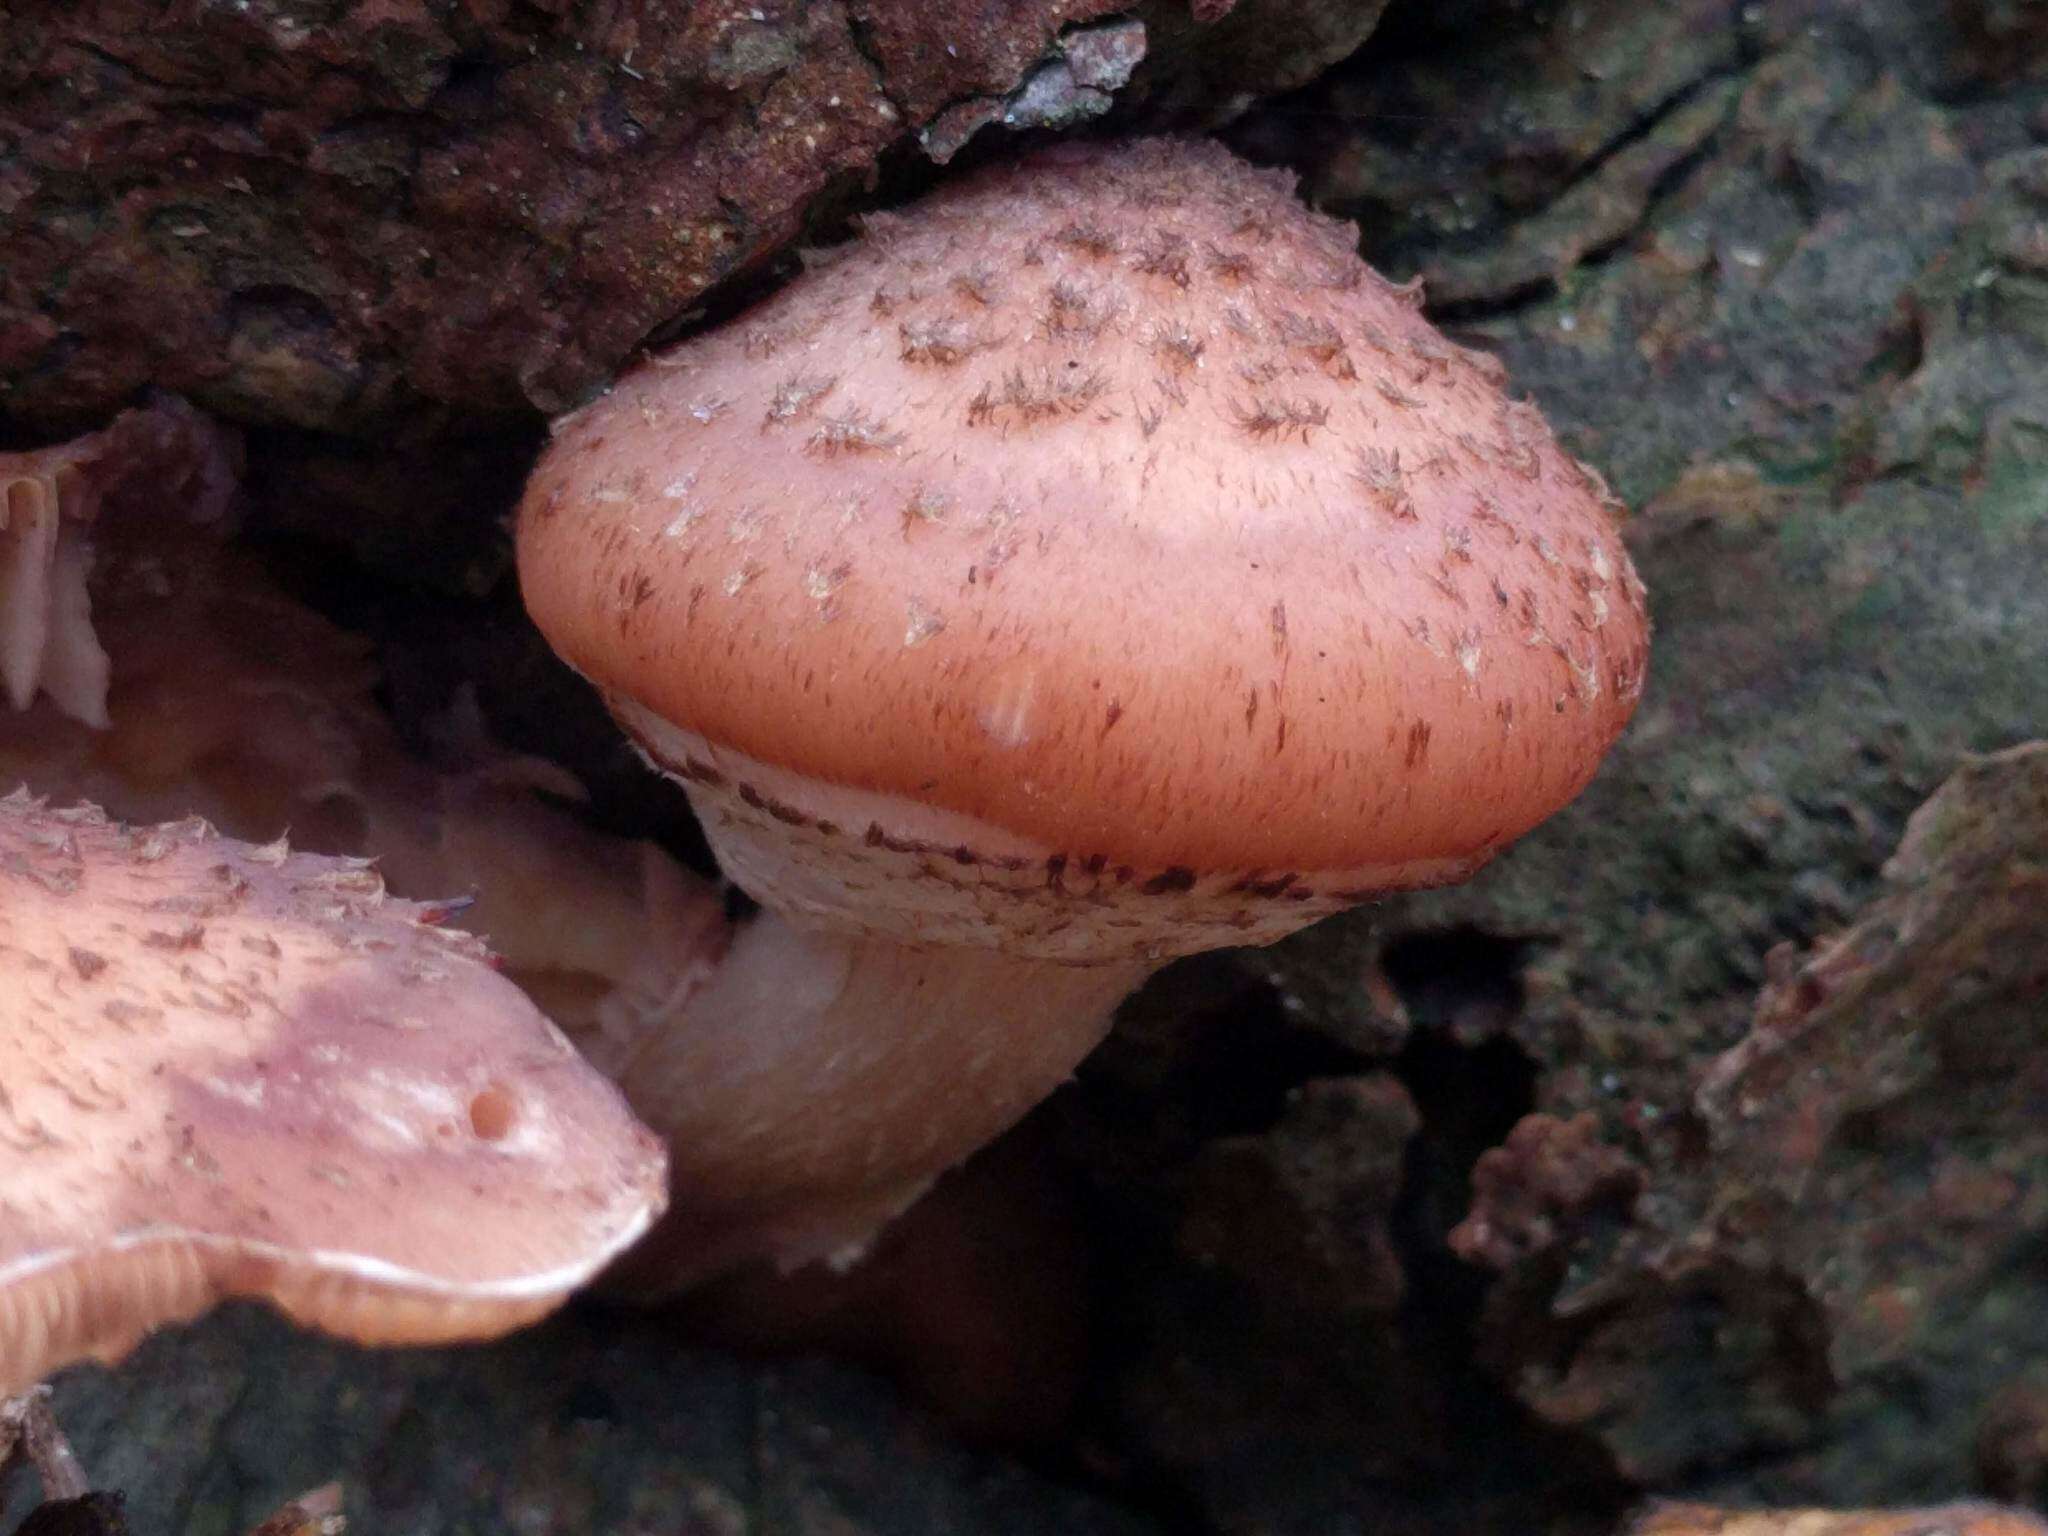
<point>1093,564</point>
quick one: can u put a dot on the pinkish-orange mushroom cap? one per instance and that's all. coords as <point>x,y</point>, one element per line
<point>1102,519</point>
<point>228,1070</point>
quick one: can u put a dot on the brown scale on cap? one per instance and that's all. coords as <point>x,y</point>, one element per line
<point>1153,577</point>
<point>229,1070</point>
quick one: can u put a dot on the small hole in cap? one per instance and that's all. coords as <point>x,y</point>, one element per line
<point>492,1114</point>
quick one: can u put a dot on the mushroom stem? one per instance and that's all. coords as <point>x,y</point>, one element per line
<point>818,1083</point>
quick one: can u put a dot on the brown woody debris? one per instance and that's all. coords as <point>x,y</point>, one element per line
<point>1547,1177</point>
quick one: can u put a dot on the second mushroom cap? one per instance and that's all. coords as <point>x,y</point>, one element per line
<point>239,1071</point>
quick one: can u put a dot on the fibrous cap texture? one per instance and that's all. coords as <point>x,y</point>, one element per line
<point>229,1070</point>
<point>1101,520</point>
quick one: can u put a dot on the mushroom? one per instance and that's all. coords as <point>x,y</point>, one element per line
<point>1094,564</point>
<point>229,1070</point>
<point>216,693</point>
<point>49,498</point>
